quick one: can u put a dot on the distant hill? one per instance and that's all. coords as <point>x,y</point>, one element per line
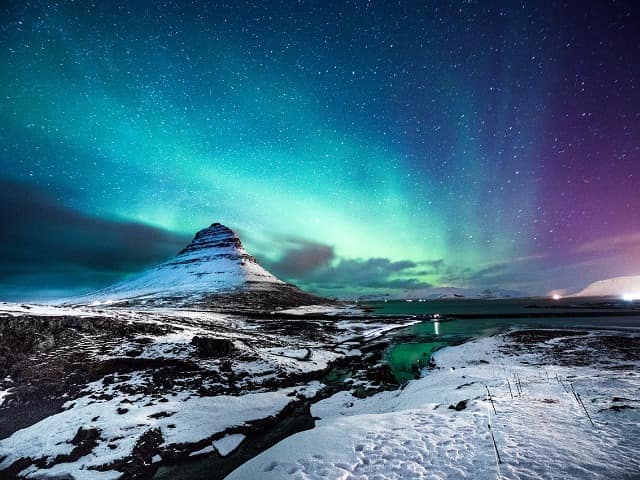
<point>613,287</point>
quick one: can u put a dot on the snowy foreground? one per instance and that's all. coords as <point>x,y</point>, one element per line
<point>112,394</point>
<point>542,432</point>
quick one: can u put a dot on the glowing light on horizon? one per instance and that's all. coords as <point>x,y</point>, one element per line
<point>556,296</point>
<point>630,297</point>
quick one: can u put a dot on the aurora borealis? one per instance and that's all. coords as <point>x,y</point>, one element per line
<point>355,146</point>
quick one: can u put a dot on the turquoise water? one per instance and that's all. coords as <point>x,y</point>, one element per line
<point>411,347</point>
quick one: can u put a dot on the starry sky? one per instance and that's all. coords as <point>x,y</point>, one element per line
<point>356,146</point>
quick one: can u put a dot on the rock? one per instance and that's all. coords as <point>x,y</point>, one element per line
<point>381,374</point>
<point>461,405</point>
<point>213,347</point>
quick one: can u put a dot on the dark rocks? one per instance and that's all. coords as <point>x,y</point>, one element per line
<point>161,415</point>
<point>381,374</point>
<point>85,440</point>
<point>211,347</point>
<point>617,408</point>
<point>461,405</point>
<point>575,347</point>
<point>464,385</point>
<point>139,464</point>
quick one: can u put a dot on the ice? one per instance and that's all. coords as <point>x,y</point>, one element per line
<point>228,444</point>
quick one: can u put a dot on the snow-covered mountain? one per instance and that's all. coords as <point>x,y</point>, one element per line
<point>444,293</point>
<point>455,292</point>
<point>613,287</point>
<point>214,264</point>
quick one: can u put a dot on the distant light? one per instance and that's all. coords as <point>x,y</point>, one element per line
<point>630,297</point>
<point>556,296</point>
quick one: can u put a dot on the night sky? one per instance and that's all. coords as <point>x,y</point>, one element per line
<point>355,146</point>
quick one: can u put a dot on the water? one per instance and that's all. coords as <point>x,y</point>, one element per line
<point>411,348</point>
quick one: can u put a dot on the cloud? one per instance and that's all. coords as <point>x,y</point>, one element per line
<point>303,258</point>
<point>610,244</point>
<point>315,266</point>
<point>363,272</point>
<point>46,246</point>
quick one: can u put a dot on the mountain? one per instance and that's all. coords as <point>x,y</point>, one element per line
<point>213,271</point>
<point>435,293</point>
<point>445,293</point>
<point>613,287</point>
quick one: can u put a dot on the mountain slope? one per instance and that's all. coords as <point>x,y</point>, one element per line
<point>214,270</point>
<point>612,287</point>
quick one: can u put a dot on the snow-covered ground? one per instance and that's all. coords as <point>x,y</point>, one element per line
<point>542,432</point>
<point>157,386</point>
<point>18,309</point>
<point>182,419</point>
<point>136,381</point>
<point>331,310</point>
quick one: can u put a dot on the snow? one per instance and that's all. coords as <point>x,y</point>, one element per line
<point>441,293</point>
<point>412,433</point>
<point>228,444</point>
<point>191,420</point>
<point>613,287</point>
<point>18,309</point>
<point>203,451</point>
<point>370,330</point>
<point>329,310</point>
<point>3,394</point>
<point>379,331</point>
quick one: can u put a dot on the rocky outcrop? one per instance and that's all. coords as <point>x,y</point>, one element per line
<point>212,347</point>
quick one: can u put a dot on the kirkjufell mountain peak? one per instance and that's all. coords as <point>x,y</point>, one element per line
<point>214,271</point>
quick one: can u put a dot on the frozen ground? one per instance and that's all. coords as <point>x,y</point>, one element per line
<point>541,429</point>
